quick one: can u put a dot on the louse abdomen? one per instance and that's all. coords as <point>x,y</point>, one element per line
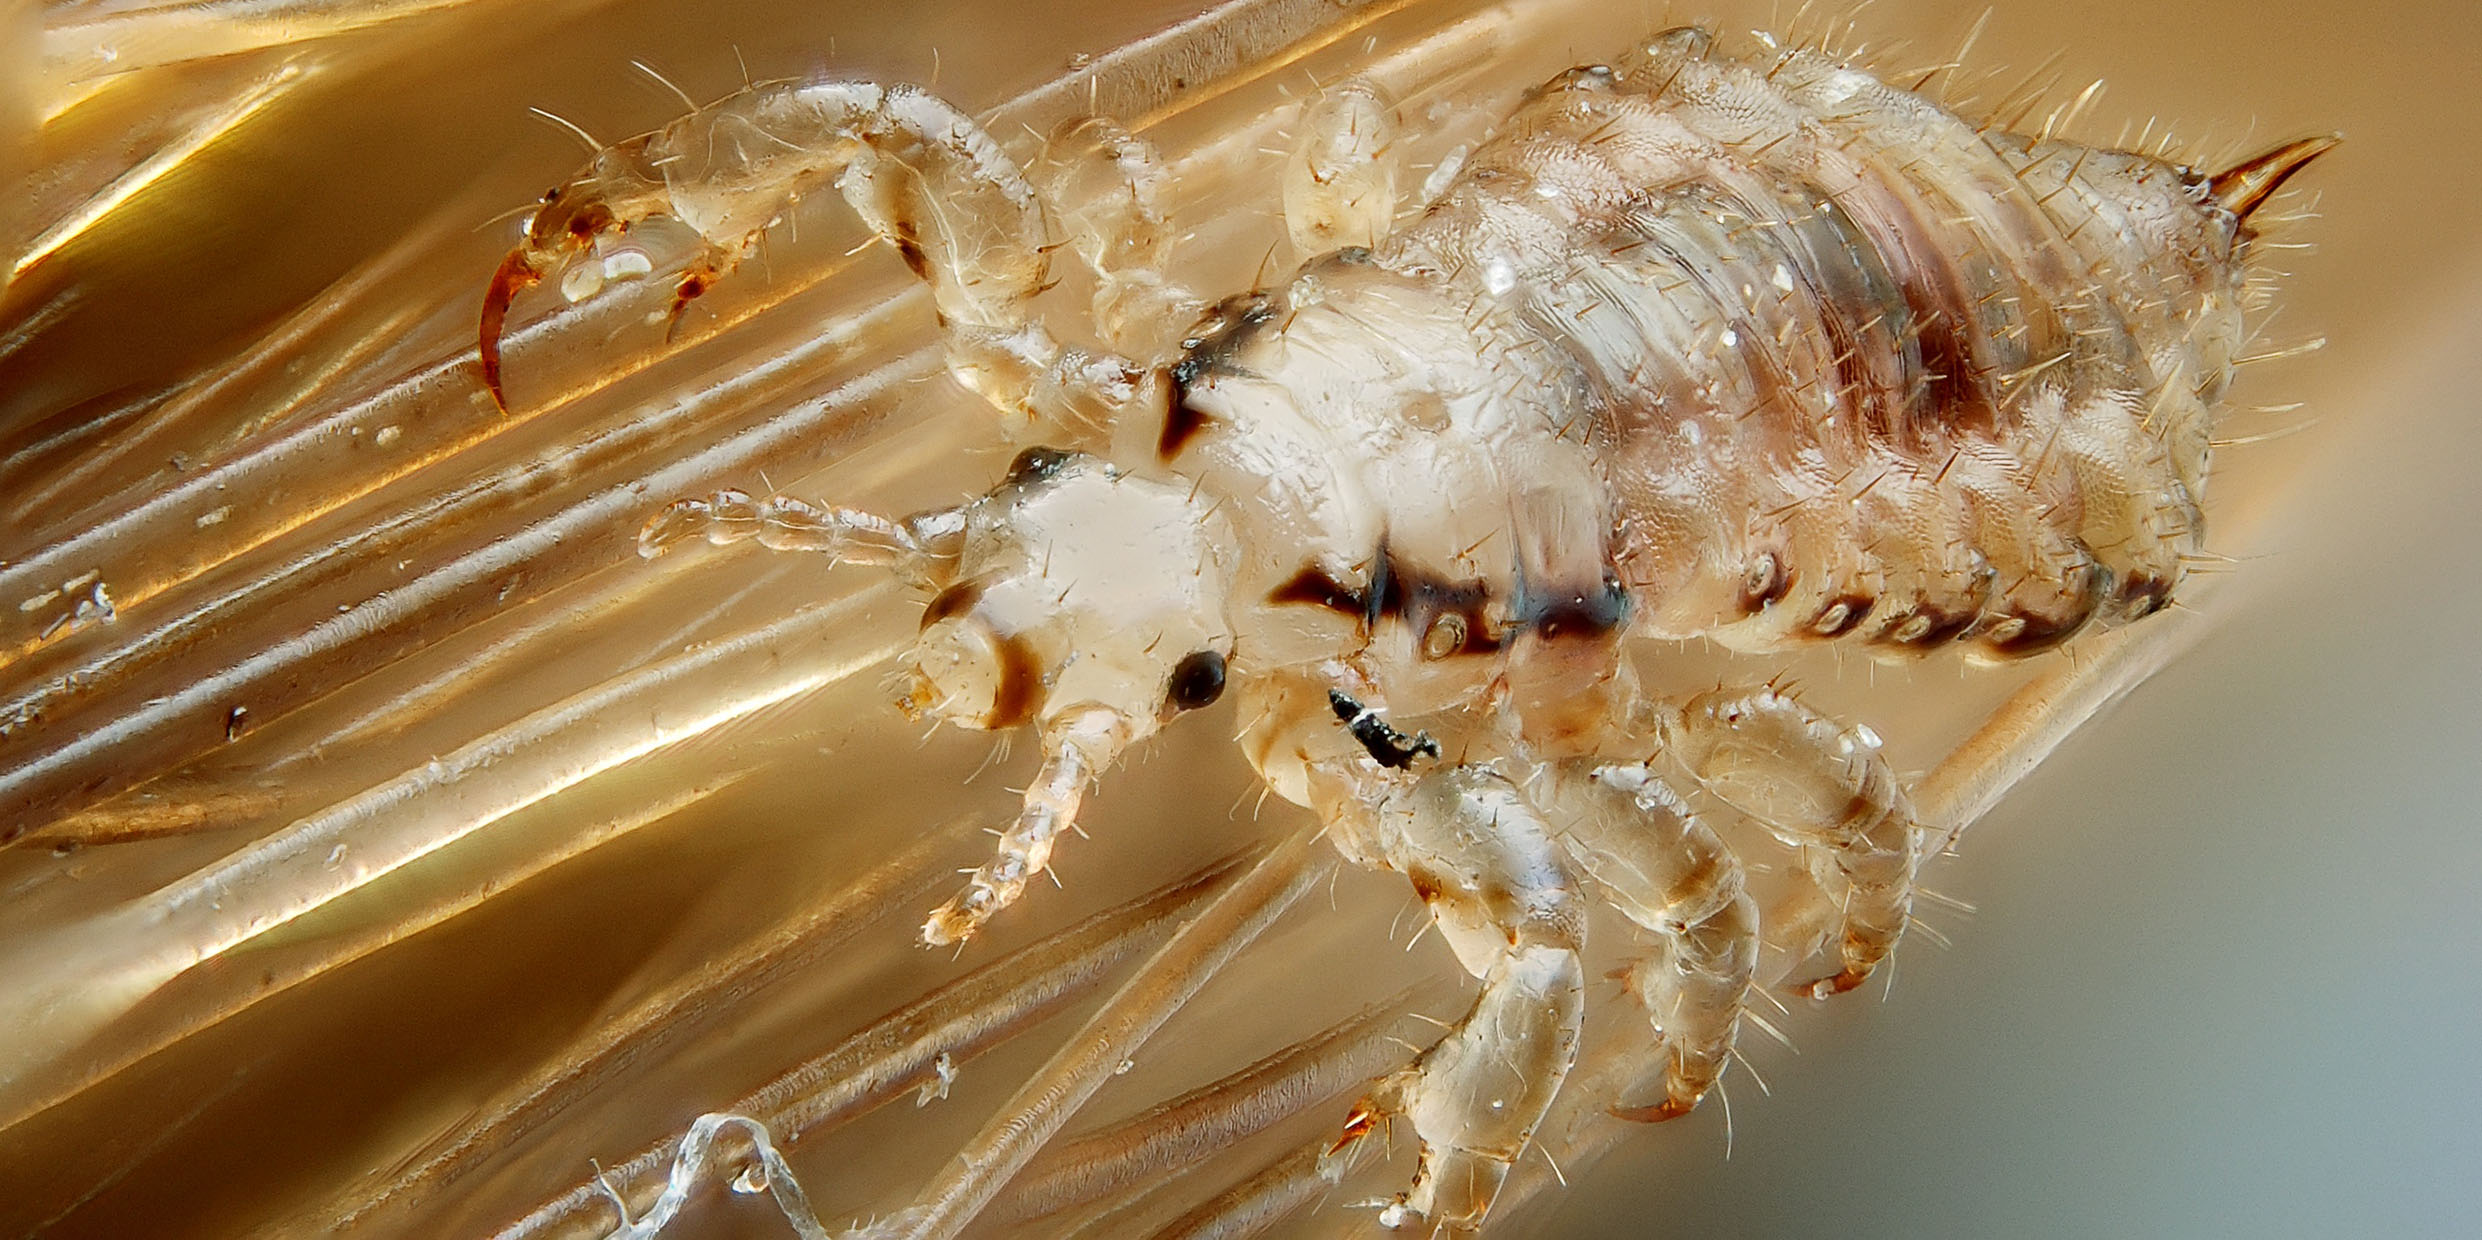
<point>1851,366</point>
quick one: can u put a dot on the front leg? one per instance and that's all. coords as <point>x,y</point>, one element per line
<point>1824,789</point>
<point>1484,861</point>
<point>925,177</point>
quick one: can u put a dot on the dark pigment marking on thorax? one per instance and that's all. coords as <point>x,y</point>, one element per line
<point>1557,614</point>
<point>1037,466</point>
<point>1223,331</point>
<point>1425,600</point>
<point>1454,617</point>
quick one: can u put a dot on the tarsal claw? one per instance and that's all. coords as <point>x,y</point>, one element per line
<point>517,273</point>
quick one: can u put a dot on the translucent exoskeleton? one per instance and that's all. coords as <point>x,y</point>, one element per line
<point>1746,346</point>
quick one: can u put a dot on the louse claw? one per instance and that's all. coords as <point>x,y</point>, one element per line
<point>1669,1108</point>
<point>1833,984</point>
<point>517,273</point>
<point>1366,1118</point>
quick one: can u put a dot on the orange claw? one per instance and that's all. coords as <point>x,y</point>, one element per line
<point>1356,1126</point>
<point>1656,1114</point>
<point>516,274</point>
<point>1833,984</point>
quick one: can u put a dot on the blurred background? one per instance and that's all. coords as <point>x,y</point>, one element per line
<point>2216,982</point>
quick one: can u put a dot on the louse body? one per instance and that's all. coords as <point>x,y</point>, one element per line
<point>1757,349</point>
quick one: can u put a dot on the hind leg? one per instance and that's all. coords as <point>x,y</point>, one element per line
<point>1822,788</point>
<point>1670,874</point>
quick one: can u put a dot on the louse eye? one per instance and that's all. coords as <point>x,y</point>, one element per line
<point>1197,681</point>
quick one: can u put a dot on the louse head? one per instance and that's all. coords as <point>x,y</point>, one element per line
<point>1077,586</point>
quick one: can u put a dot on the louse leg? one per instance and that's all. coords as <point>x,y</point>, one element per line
<point>924,176</point>
<point>1671,874</point>
<point>713,264</point>
<point>1340,184</point>
<point>1498,888</point>
<point>917,547</point>
<point>1107,186</point>
<point>1820,787</point>
<point>2010,743</point>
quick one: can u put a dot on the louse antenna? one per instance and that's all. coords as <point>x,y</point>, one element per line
<point>510,214</point>
<point>665,82</point>
<point>592,146</point>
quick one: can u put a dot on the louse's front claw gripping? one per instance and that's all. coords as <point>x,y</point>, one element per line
<point>518,272</point>
<point>608,197</point>
<point>926,179</point>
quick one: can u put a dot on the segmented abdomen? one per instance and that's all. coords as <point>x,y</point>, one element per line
<point>1850,365</point>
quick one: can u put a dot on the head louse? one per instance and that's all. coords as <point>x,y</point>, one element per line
<point>1751,347</point>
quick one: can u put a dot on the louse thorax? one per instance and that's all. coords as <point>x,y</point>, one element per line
<point>1415,497</point>
<point>1076,587</point>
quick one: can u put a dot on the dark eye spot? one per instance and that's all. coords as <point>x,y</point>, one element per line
<point>1197,681</point>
